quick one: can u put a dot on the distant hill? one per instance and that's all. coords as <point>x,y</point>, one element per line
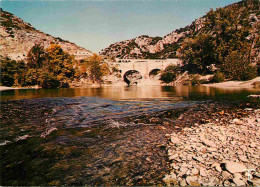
<point>167,46</point>
<point>18,37</point>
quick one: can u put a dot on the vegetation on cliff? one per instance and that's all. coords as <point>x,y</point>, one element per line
<point>226,39</point>
<point>229,40</point>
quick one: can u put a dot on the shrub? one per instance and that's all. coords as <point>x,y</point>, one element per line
<point>170,73</point>
<point>237,67</point>
<point>167,77</point>
<point>195,79</point>
<point>218,77</point>
<point>49,80</point>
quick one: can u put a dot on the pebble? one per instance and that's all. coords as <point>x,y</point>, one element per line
<point>203,172</point>
<point>191,179</point>
<point>237,121</point>
<point>234,167</point>
<point>227,183</point>
<point>195,171</point>
<point>175,140</point>
<point>237,175</point>
<point>208,142</point>
<point>218,148</point>
<point>183,169</point>
<point>238,182</point>
<point>172,157</point>
<point>255,182</point>
<point>183,182</point>
<point>218,168</point>
<point>225,174</point>
<point>168,180</point>
<point>243,158</point>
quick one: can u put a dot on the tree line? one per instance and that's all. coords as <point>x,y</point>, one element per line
<point>50,68</point>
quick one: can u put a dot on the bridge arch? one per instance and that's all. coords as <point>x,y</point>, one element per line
<point>132,76</point>
<point>154,72</point>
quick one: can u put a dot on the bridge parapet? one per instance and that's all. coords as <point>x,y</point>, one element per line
<point>145,66</point>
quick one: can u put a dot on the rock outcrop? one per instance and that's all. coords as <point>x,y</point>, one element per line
<point>18,37</point>
<point>167,46</point>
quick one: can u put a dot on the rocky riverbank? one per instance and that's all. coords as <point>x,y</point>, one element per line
<point>222,150</point>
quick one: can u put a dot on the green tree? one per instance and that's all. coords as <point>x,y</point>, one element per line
<point>170,73</point>
<point>237,67</point>
<point>229,39</point>
<point>36,56</point>
<point>198,53</point>
<point>12,72</point>
<point>8,70</point>
<point>97,68</point>
<point>60,63</point>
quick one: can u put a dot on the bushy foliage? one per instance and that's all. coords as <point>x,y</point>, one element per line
<point>218,77</point>
<point>198,53</point>
<point>237,67</point>
<point>48,68</point>
<point>36,56</point>
<point>169,74</point>
<point>195,79</point>
<point>229,39</point>
<point>96,68</point>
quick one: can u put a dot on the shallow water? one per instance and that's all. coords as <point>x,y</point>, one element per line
<point>92,136</point>
<point>134,93</point>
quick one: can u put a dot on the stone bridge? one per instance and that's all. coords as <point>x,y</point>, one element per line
<point>144,66</point>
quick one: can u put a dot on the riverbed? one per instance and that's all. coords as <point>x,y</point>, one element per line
<point>101,136</point>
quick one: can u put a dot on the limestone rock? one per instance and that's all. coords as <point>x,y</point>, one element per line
<point>208,142</point>
<point>237,175</point>
<point>169,179</point>
<point>238,182</point>
<point>237,121</point>
<point>225,174</point>
<point>172,157</point>
<point>195,171</point>
<point>191,180</point>
<point>203,172</point>
<point>175,140</point>
<point>234,167</point>
<point>254,182</point>
<point>183,182</point>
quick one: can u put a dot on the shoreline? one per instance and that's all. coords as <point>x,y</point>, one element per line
<point>216,150</point>
<point>3,88</point>
<point>254,83</point>
<point>250,84</point>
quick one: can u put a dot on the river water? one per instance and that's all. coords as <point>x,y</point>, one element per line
<point>93,136</point>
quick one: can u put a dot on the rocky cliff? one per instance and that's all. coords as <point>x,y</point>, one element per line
<point>17,38</point>
<point>167,46</point>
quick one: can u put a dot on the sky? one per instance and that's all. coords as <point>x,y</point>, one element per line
<point>96,24</point>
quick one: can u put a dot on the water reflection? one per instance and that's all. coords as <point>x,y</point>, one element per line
<point>133,92</point>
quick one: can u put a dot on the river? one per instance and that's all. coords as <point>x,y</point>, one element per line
<point>94,136</point>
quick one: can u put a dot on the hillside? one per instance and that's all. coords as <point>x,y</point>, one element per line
<point>246,13</point>
<point>18,37</point>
